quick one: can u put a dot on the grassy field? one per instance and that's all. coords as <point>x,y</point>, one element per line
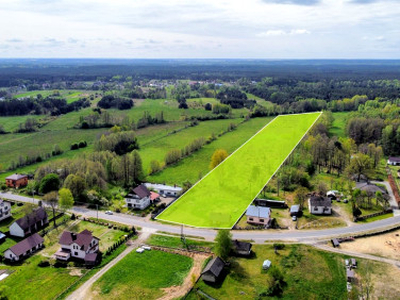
<point>191,167</point>
<point>219,199</point>
<point>142,276</point>
<point>308,274</point>
<point>339,124</point>
<point>69,95</point>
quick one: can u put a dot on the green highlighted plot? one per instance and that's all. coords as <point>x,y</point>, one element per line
<point>221,197</point>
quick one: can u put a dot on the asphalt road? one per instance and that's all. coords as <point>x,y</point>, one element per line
<point>256,235</point>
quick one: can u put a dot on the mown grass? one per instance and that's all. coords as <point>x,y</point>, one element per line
<point>308,274</point>
<point>339,124</point>
<point>175,242</point>
<point>143,275</point>
<point>219,199</point>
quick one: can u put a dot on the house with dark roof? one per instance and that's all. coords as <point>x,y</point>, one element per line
<point>16,181</point>
<point>258,215</point>
<point>24,248</point>
<point>5,210</point>
<point>81,245</point>
<point>318,205</point>
<point>371,189</point>
<point>242,248</point>
<point>213,270</point>
<point>394,161</point>
<point>29,224</point>
<point>139,198</point>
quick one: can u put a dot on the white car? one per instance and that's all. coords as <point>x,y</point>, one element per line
<point>294,218</point>
<point>108,212</point>
<point>139,250</point>
<point>146,247</point>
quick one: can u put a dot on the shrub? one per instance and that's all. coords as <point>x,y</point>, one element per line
<point>73,217</point>
<point>279,246</point>
<point>44,263</point>
<point>74,146</point>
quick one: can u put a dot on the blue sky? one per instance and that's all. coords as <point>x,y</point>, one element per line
<point>200,29</point>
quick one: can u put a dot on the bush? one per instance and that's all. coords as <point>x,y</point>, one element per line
<point>20,204</point>
<point>279,246</point>
<point>73,217</point>
<point>208,106</point>
<point>44,263</point>
<point>74,146</point>
<point>82,144</point>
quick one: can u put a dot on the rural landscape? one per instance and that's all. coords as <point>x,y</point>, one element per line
<point>200,151</point>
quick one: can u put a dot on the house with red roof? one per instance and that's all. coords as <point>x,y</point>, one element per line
<point>16,181</point>
<point>81,245</point>
<point>140,197</point>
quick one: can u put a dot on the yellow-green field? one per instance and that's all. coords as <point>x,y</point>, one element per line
<point>220,198</point>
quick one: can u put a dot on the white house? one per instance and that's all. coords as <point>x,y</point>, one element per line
<point>140,198</point>
<point>5,210</point>
<point>31,223</point>
<point>78,245</point>
<point>24,248</point>
<point>319,205</point>
<point>394,161</point>
<point>165,190</point>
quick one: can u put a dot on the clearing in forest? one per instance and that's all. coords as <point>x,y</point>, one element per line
<point>219,199</point>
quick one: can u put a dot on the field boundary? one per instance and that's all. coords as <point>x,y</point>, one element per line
<point>173,222</point>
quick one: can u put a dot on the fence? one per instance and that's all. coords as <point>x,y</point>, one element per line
<point>388,211</point>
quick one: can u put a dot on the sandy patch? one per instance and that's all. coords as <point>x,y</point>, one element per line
<point>75,272</point>
<point>384,245</point>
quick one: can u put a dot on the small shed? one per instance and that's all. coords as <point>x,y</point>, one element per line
<point>353,262</point>
<point>350,275</point>
<point>266,264</point>
<point>2,237</point>
<point>242,248</point>
<point>295,210</point>
<point>213,270</point>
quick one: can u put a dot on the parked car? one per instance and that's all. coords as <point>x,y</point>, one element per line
<point>108,212</point>
<point>145,247</point>
<point>139,250</point>
<point>294,218</point>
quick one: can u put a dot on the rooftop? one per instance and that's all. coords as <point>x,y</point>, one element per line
<point>320,201</point>
<point>16,177</point>
<point>27,244</point>
<point>163,186</point>
<point>215,266</point>
<point>258,211</point>
<point>141,191</point>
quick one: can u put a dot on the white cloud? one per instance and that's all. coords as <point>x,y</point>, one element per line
<point>206,28</point>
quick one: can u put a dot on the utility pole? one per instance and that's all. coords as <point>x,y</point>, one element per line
<point>97,212</point>
<point>33,196</point>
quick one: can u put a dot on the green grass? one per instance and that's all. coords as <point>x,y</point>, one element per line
<point>143,275</point>
<point>308,273</point>
<point>220,198</point>
<point>339,124</point>
<point>196,165</point>
<point>174,242</point>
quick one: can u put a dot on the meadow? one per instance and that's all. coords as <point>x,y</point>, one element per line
<point>307,273</point>
<point>219,199</point>
<point>142,275</point>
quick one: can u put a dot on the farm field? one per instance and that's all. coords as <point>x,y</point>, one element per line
<point>142,276</point>
<point>220,198</point>
<point>197,164</point>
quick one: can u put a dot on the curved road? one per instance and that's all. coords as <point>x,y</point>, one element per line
<point>209,234</point>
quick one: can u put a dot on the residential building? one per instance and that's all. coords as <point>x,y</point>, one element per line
<point>24,248</point>
<point>81,245</point>
<point>258,215</point>
<point>242,248</point>
<point>5,210</point>
<point>318,205</point>
<point>16,181</point>
<point>213,271</point>
<point>165,190</point>
<point>139,198</point>
<point>394,161</point>
<point>31,223</point>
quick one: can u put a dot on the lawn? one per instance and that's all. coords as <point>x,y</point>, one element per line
<point>308,274</point>
<point>220,198</point>
<point>143,276</point>
<point>175,242</point>
<point>339,124</point>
